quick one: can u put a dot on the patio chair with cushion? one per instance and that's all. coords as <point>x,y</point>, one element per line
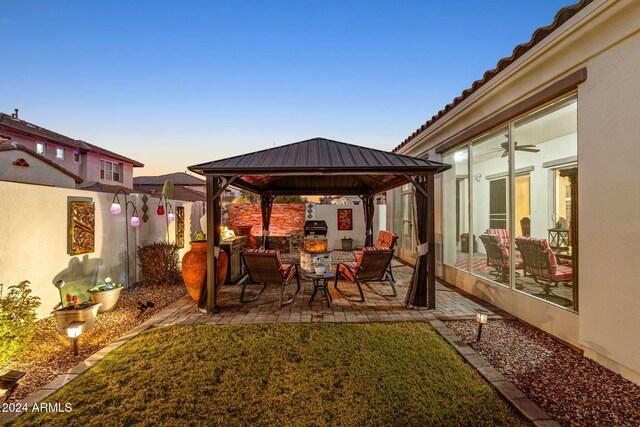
<point>386,240</point>
<point>371,266</point>
<point>498,256</point>
<point>265,267</point>
<point>501,233</point>
<point>541,264</point>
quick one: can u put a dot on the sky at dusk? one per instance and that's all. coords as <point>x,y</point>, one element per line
<point>177,83</point>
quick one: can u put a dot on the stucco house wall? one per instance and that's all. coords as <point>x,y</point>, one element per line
<point>604,38</point>
<point>38,172</point>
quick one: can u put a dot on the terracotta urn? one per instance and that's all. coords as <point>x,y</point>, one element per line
<point>87,315</point>
<point>245,230</point>
<point>194,268</point>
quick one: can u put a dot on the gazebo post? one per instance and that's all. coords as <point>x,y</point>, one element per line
<point>422,292</point>
<point>369,210</point>
<point>208,295</point>
<point>266,207</point>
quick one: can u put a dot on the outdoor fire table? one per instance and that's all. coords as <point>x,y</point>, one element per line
<point>320,283</point>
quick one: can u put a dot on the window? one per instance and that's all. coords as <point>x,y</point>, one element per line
<point>111,171</point>
<point>514,196</point>
<point>60,153</point>
<point>77,157</point>
<point>40,149</point>
<point>455,194</point>
<point>490,201</point>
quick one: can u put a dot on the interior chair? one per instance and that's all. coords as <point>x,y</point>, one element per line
<point>525,224</point>
<point>371,266</point>
<point>501,233</point>
<point>498,256</point>
<point>541,264</point>
<point>264,267</point>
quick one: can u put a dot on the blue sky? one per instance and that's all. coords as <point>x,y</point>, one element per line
<point>182,82</point>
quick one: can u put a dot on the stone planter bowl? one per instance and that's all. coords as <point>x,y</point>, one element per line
<point>64,317</point>
<point>107,299</point>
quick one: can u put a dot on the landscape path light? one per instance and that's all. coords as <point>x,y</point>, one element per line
<point>482,317</point>
<point>74,329</point>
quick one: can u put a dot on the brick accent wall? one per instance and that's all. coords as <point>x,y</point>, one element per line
<point>286,218</point>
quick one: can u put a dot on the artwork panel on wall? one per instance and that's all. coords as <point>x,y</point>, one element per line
<point>82,221</point>
<point>345,219</point>
<point>180,226</point>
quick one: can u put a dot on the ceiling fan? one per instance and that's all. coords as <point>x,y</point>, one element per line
<point>505,146</point>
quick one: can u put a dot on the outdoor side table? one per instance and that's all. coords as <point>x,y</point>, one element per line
<point>320,283</point>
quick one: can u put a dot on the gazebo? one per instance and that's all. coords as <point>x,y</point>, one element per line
<point>321,166</point>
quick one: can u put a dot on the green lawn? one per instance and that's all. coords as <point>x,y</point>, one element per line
<point>397,374</point>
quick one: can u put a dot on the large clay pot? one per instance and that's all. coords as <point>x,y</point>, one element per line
<point>87,315</point>
<point>245,230</point>
<point>194,268</point>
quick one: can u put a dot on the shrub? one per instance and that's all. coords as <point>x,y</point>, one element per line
<point>160,263</point>
<point>17,317</point>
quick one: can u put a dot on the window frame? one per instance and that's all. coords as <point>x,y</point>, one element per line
<point>59,153</point>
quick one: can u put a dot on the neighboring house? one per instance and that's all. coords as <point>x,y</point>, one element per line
<point>563,106</point>
<point>186,187</point>
<point>91,163</point>
<point>21,164</point>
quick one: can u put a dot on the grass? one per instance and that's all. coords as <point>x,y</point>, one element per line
<point>398,374</point>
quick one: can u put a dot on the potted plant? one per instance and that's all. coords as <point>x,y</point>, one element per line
<point>74,310</point>
<point>194,265</point>
<point>106,294</point>
<point>347,242</point>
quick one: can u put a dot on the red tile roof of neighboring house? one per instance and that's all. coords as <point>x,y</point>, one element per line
<point>21,126</point>
<point>538,35</point>
<point>179,192</point>
<point>107,188</point>
<point>14,146</point>
<point>179,178</point>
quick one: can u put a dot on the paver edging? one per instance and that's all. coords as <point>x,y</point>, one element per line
<point>516,398</point>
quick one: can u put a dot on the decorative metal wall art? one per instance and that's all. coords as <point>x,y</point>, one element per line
<point>180,226</point>
<point>82,226</point>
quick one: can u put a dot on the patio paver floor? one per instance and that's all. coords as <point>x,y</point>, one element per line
<point>450,304</point>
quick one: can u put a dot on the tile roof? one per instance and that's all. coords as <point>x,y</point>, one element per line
<point>179,178</point>
<point>179,192</point>
<point>540,34</point>
<point>107,188</point>
<point>14,146</point>
<point>19,125</point>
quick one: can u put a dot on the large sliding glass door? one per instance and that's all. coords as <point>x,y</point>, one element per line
<point>508,206</point>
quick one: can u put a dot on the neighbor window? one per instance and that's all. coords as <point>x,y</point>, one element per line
<point>60,153</point>
<point>514,194</point>
<point>111,171</point>
<point>77,157</point>
<point>40,149</point>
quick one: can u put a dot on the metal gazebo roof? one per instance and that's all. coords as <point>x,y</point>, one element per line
<point>319,166</point>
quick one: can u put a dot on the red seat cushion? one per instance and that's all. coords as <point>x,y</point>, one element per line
<point>563,273</point>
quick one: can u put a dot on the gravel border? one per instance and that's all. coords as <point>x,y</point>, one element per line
<point>50,354</point>
<point>573,389</point>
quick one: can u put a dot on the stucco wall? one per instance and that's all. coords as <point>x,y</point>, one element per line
<point>38,172</point>
<point>34,238</point>
<point>604,38</point>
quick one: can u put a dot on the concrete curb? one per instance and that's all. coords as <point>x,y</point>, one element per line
<point>528,408</point>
